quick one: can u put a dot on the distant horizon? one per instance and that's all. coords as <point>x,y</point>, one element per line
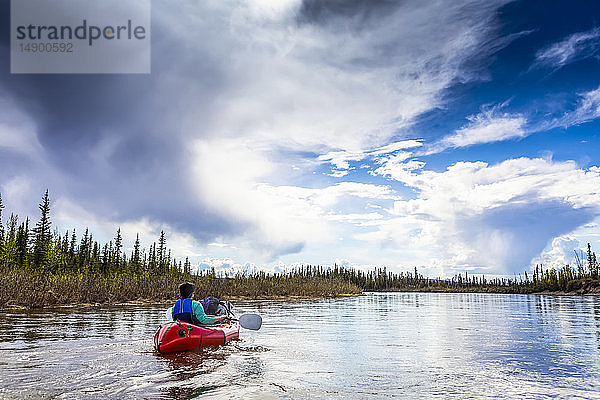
<point>450,137</point>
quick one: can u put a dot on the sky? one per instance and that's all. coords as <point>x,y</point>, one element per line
<point>449,136</point>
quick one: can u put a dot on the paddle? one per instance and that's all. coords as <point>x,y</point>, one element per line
<point>247,321</point>
<point>250,321</point>
<point>169,314</point>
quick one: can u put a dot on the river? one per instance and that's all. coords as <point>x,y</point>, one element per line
<point>378,346</point>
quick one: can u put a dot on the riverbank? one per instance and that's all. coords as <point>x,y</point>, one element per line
<point>23,289</point>
<point>576,288</point>
<point>589,288</point>
<point>33,291</point>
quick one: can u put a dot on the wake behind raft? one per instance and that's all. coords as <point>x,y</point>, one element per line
<point>181,336</point>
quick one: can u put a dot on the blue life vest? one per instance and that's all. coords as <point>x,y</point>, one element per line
<point>182,311</point>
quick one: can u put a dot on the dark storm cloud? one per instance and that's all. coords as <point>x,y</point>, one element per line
<point>113,139</point>
<point>537,221</point>
<point>359,12</point>
<point>391,32</point>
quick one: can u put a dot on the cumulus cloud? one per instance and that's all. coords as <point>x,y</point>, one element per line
<point>489,217</point>
<point>561,252</point>
<point>227,266</point>
<point>573,48</point>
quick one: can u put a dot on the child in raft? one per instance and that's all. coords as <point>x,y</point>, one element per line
<point>188,310</point>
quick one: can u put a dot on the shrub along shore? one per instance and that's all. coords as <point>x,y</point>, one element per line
<point>26,289</point>
<point>34,290</point>
<point>40,268</point>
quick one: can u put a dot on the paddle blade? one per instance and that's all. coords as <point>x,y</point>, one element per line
<point>250,321</point>
<point>169,314</point>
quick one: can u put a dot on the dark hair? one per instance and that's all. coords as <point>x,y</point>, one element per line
<point>186,290</point>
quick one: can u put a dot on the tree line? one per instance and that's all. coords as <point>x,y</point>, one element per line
<point>541,279</point>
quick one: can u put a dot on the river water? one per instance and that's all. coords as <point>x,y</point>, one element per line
<point>378,346</point>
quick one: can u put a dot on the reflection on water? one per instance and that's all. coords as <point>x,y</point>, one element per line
<point>407,345</point>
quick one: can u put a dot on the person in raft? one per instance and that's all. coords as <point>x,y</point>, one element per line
<point>188,310</point>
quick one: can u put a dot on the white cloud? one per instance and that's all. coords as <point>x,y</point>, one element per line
<point>354,217</point>
<point>560,253</point>
<point>339,173</point>
<point>588,108</point>
<point>322,84</point>
<point>340,159</point>
<point>490,125</point>
<point>573,48</point>
<point>395,146</point>
<point>216,244</point>
<point>17,131</point>
<point>18,195</point>
<point>273,10</point>
<point>492,216</point>
<point>396,167</point>
<point>227,265</point>
<point>231,181</point>
<point>486,128</point>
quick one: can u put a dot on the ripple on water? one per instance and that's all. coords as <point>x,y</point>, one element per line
<point>407,345</point>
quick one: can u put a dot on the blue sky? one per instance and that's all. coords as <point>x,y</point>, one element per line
<point>450,136</point>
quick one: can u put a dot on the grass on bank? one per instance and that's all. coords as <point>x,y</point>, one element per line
<point>35,290</point>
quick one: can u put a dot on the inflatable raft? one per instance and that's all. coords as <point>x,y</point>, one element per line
<point>180,336</point>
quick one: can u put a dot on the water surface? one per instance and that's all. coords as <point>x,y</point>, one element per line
<point>383,345</point>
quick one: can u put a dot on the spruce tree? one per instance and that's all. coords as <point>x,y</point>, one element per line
<point>105,260</point>
<point>88,249</point>
<point>111,257</point>
<point>72,249</point>
<point>152,258</point>
<point>64,247</point>
<point>162,245</point>
<point>1,230</point>
<point>10,242</point>
<point>23,245</point>
<point>118,246</point>
<point>95,264</point>
<point>1,209</point>
<point>82,253</point>
<point>135,257</point>
<point>589,260</point>
<point>43,236</point>
<point>187,266</point>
